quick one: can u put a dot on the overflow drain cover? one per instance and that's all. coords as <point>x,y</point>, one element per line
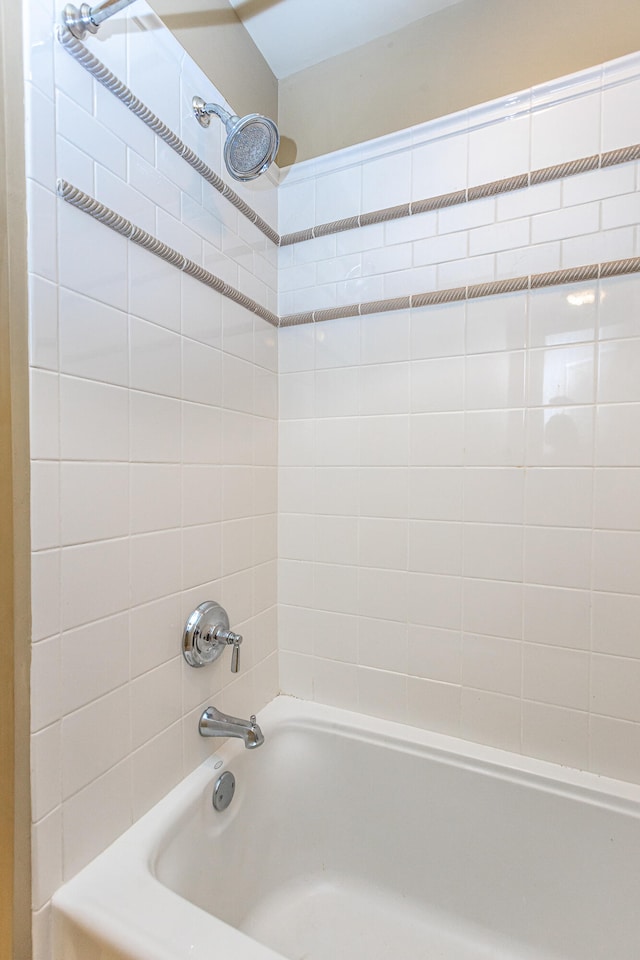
<point>224,790</point>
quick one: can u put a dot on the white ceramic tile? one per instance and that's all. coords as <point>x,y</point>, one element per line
<point>617,499</point>
<point>155,701</point>
<point>384,441</point>
<point>554,675</point>
<point>435,493</point>
<point>497,323</point>
<point>93,339</point>
<point>154,290</point>
<point>336,392</point>
<point>616,244</point>
<point>382,694</point>
<point>434,706</point>
<point>338,195</point>
<point>84,571</point>
<point>46,787</point>
<point>614,623</point>
<point>336,684</point>
<point>568,222</point>
<point>493,495</point>
<point>491,718</point>
<point>437,331</point>
<point>335,540</point>
<point>155,428</point>
<point>85,758</point>
<point>437,385</point>
<point>618,435</point>
<point>386,182</point>
<point>494,438</point>
<point>45,505</point>
<point>337,442</point>
<point>94,501</point>
<point>435,654</point>
<point>492,608</point>
<point>499,150</point>
<point>45,594</point>
<point>435,547</point>
<point>439,167</point>
<point>493,551</point>
<point>43,323</point>
<point>561,375</point>
<point>559,497</point>
<point>616,561</point>
<point>565,131</point>
<point>492,664</point>
<point>382,543</point>
<point>46,858</point>
<point>559,616</point>
<point>434,601</point>
<point>382,644</point>
<point>555,734</point>
<point>615,748</point>
<point>617,371</point>
<point>614,684</point>
<point>560,436</point>
<point>94,817</point>
<point>437,439</point>
<point>155,565</point>
<point>619,307</point>
<point>155,497</point>
<point>335,636</point>
<point>505,235</point>
<point>335,588</point>
<point>563,314</point>
<point>95,660</point>
<point>531,200</point>
<point>620,211</point>
<point>41,242</point>
<point>155,359</point>
<point>494,380</point>
<point>597,184</point>
<point>107,279</point>
<point>93,421</point>
<point>620,126</point>
<point>557,557</point>
<point>156,768</point>
<point>201,433</point>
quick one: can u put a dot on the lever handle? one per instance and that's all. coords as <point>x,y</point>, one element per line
<point>235,657</point>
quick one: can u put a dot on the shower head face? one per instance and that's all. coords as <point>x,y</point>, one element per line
<point>251,146</point>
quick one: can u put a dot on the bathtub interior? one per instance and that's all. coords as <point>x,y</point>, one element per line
<point>341,843</point>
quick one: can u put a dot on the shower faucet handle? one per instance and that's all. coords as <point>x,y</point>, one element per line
<point>207,633</point>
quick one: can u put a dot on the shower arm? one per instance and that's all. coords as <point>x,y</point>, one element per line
<point>87,19</point>
<point>204,110</point>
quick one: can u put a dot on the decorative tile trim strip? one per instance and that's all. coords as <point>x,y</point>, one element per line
<point>591,271</point>
<point>570,169</point>
<point>81,200</point>
<point>115,86</point>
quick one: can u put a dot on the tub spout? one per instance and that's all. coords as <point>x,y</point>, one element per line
<point>213,723</point>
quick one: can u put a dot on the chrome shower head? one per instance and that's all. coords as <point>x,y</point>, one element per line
<point>252,141</point>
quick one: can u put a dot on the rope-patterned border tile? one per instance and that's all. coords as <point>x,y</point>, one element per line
<point>103,75</point>
<point>521,181</point>
<point>103,214</point>
<point>592,271</point>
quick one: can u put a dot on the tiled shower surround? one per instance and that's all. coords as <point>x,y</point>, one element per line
<point>459,535</point>
<point>459,484</point>
<point>154,444</point>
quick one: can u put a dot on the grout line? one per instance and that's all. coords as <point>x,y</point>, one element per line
<point>130,231</point>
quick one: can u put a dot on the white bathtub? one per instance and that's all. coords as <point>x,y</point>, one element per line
<point>355,838</point>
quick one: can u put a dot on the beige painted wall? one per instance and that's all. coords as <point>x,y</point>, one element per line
<point>472,52</point>
<point>212,34</point>
<point>15,625</point>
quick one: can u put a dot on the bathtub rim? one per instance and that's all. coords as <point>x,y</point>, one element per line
<point>117,898</point>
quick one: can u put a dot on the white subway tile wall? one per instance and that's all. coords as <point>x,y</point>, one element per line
<point>458,485</point>
<point>154,444</point>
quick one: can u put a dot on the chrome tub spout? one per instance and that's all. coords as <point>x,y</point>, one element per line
<point>213,723</point>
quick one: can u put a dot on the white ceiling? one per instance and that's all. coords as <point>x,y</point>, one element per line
<point>294,34</point>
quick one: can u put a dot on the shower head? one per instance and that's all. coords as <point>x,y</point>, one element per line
<point>252,141</point>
